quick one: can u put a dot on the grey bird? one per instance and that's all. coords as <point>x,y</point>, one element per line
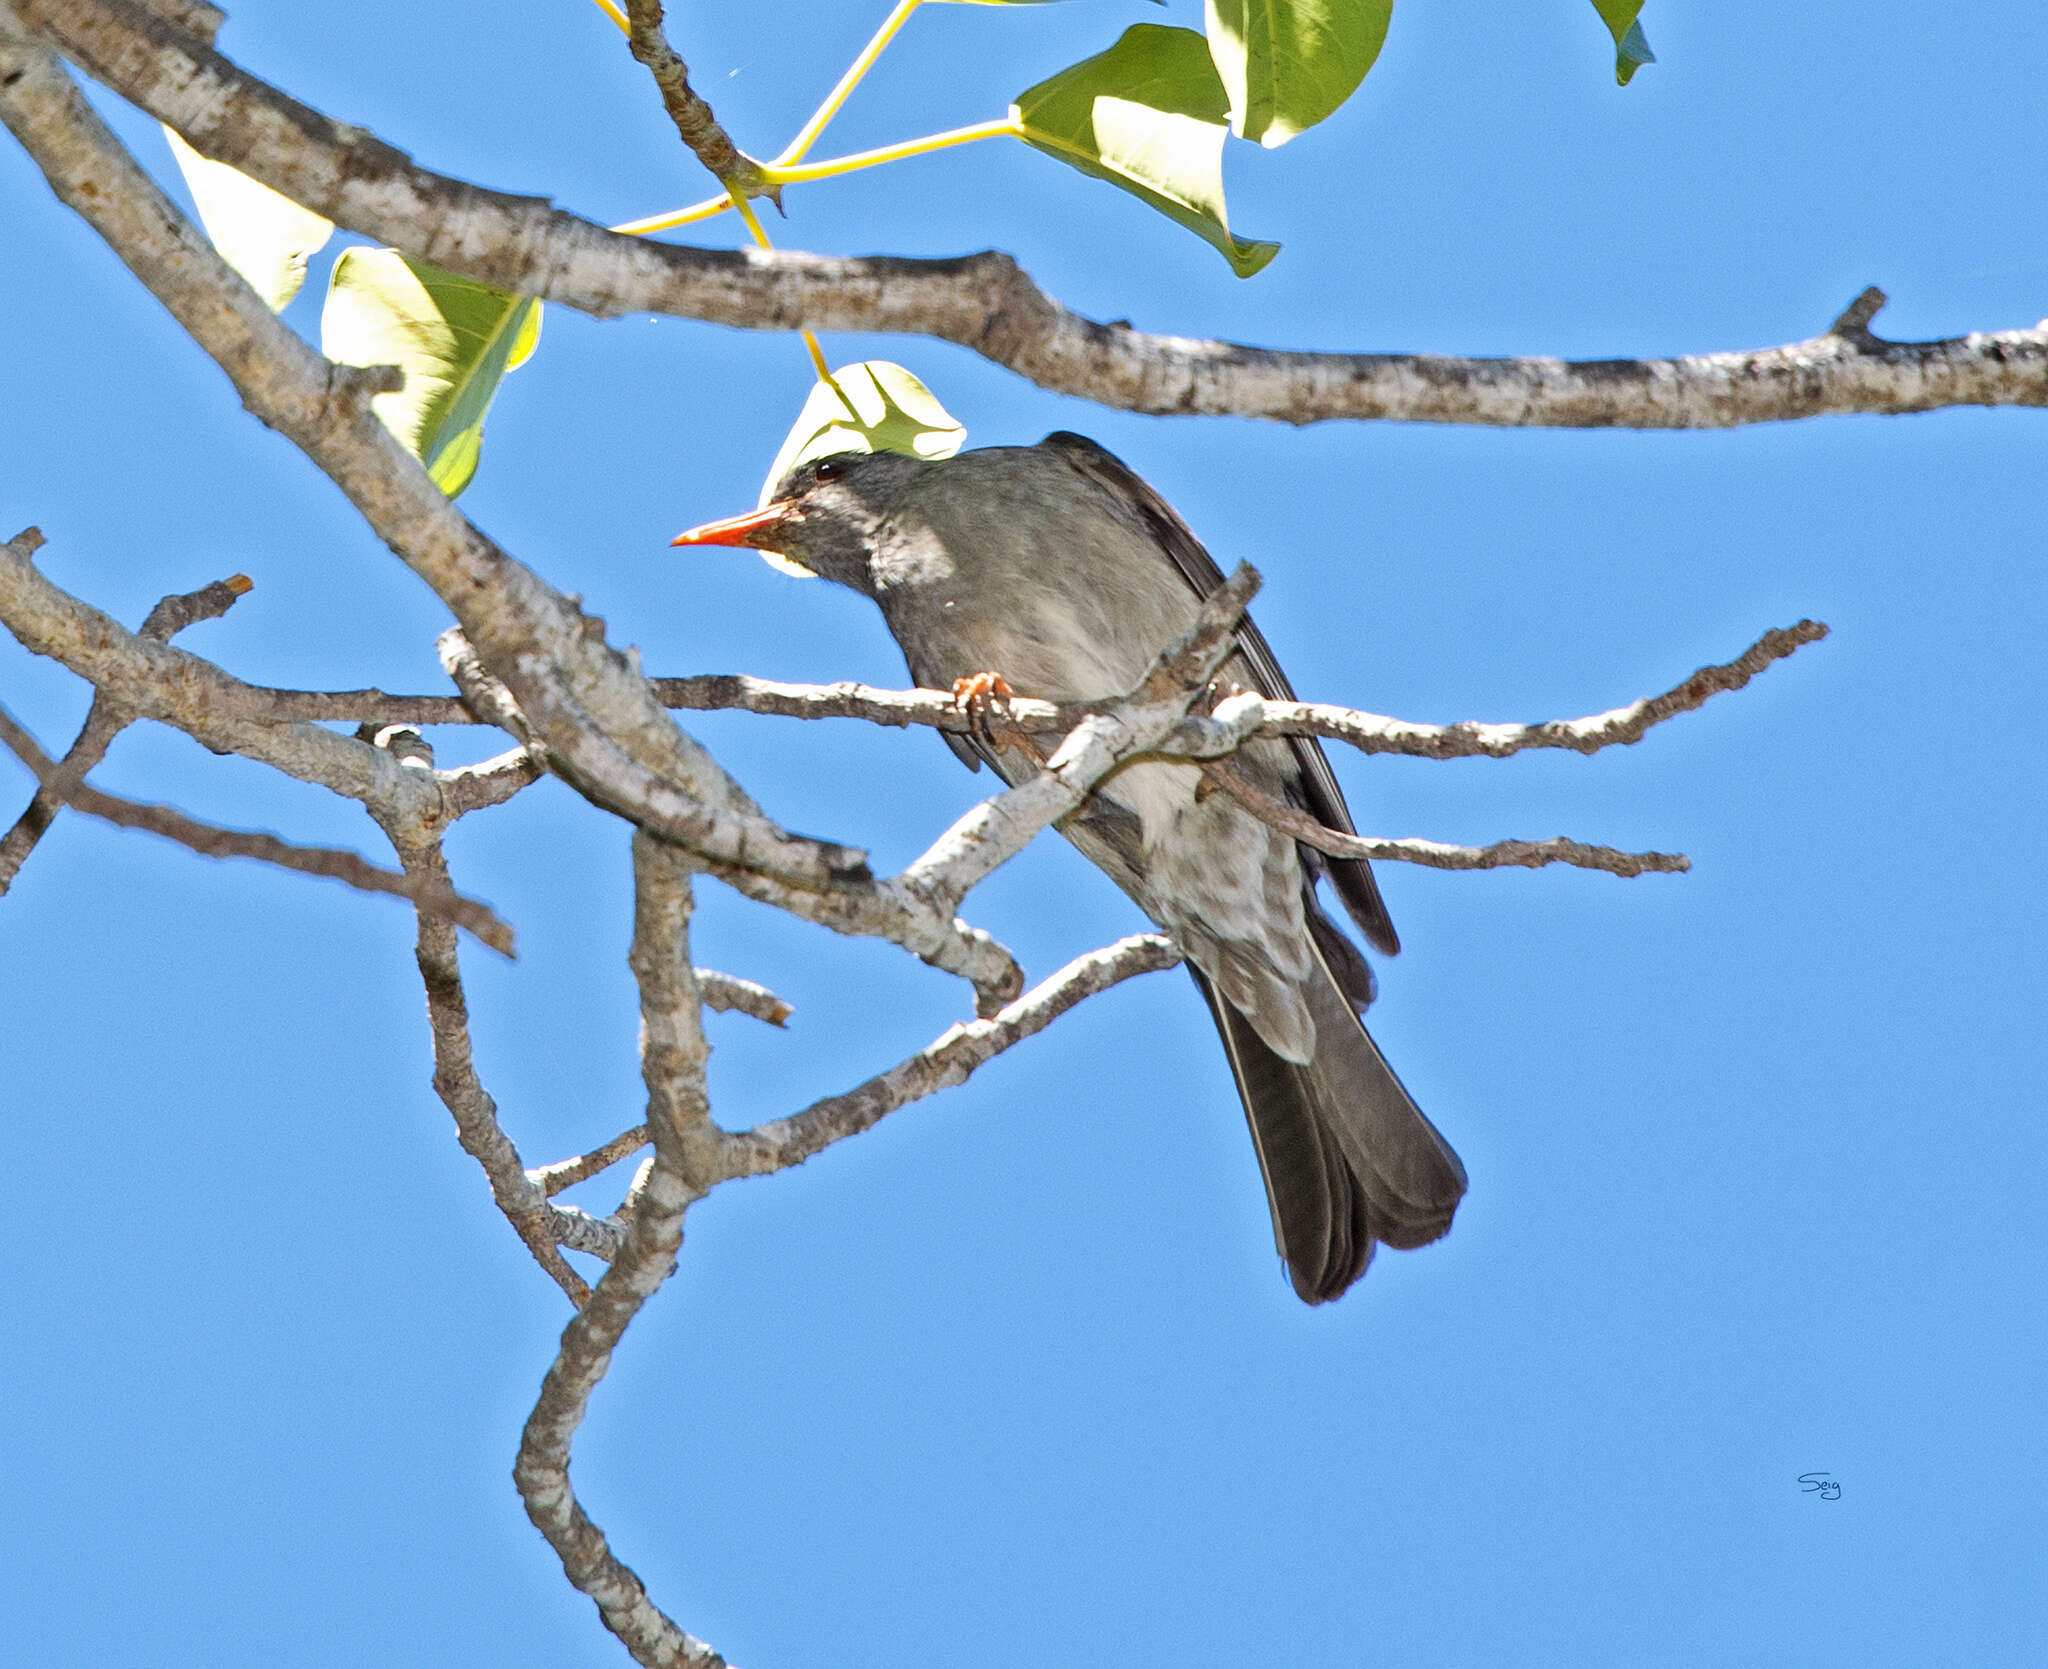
<point>1057,568</point>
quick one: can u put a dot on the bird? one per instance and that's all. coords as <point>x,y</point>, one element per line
<point>1055,571</point>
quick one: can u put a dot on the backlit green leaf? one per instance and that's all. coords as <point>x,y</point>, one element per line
<point>1631,51</point>
<point>1148,115</point>
<point>1286,64</point>
<point>265,237</point>
<point>454,338</point>
<point>891,412</point>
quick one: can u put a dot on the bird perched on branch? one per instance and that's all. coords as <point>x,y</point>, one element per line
<point>1058,569</point>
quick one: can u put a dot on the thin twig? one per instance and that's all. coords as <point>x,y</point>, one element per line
<point>946,1061</point>
<point>695,124</point>
<point>728,993</point>
<point>672,1062</point>
<point>1522,854</point>
<point>1470,740</point>
<point>210,840</point>
<point>161,682</point>
<point>937,709</point>
<point>1527,854</point>
<point>106,720</point>
<point>456,1081</point>
<point>566,1173</point>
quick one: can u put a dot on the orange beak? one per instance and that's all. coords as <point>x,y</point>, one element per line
<point>737,530</point>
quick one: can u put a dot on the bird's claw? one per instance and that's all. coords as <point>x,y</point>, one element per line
<point>985,698</point>
<point>981,696</point>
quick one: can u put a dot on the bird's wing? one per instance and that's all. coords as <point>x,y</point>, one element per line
<point>1352,877</point>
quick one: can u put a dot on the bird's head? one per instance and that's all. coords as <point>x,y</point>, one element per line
<point>825,517</point>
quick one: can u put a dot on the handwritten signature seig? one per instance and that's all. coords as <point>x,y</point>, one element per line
<point>1819,1483</point>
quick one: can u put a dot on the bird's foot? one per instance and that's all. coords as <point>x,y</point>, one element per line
<point>980,691</point>
<point>982,696</point>
<point>985,698</point>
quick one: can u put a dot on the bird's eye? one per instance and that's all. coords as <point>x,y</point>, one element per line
<point>829,470</point>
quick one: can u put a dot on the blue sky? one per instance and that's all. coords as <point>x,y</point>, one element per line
<point>1757,1152</point>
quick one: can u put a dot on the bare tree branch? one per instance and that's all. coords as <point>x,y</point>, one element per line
<point>490,782</point>
<point>898,709</point>
<point>266,705</point>
<point>995,831</point>
<point>685,1140</point>
<point>1527,854</point>
<point>609,737</point>
<point>986,302</point>
<point>673,1048</point>
<point>105,721</point>
<point>153,680</point>
<point>566,1173</point>
<point>728,993</point>
<point>1621,727</point>
<point>946,1061</point>
<point>859,905</point>
<point>1522,854</point>
<point>950,1059</point>
<point>1368,732</point>
<point>211,841</point>
<point>604,732</point>
<point>142,677</point>
<point>695,125</point>
<point>578,1231</point>
<point>456,1082</point>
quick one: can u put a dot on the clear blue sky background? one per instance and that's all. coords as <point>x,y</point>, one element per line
<point>1757,1153</point>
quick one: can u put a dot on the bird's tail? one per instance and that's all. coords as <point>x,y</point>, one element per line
<point>1348,1158</point>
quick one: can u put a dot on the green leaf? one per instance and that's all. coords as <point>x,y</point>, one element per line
<point>454,338</point>
<point>891,412</point>
<point>265,237</point>
<point>1631,50</point>
<point>1148,115</point>
<point>1286,64</point>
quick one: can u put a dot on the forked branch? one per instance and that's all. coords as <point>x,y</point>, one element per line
<point>672,1063</point>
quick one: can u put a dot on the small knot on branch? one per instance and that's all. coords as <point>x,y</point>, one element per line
<point>401,741</point>
<point>197,18</point>
<point>173,614</point>
<point>1854,319</point>
<point>350,388</point>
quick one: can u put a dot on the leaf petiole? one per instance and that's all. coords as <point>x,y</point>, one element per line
<point>738,199</point>
<point>777,174</point>
<point>807,136</point>
<point>798,173</point>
